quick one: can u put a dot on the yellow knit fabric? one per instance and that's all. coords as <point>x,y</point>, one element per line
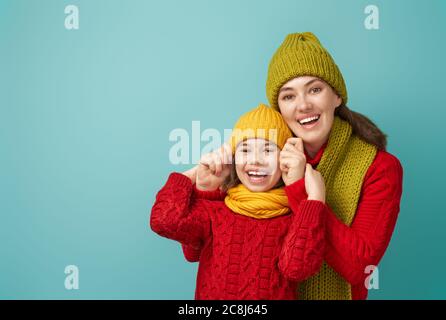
<point>343,165</point>
<point>259,205</point>
<point>301,54</point>
<point>261,122</point>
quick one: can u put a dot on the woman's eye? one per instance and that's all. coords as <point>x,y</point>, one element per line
<point>315,90</point>
<point>287,97</point>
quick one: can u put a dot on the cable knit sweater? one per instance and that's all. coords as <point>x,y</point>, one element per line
<point>349,250</point>
<point>242,258</point>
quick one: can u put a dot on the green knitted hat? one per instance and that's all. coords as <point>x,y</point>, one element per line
<point>301,54</point>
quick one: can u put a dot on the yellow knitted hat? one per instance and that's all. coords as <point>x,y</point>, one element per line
<point>301,54</point>
<point>261,122</point>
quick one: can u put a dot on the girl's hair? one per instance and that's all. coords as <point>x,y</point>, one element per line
<point>232,179</point>
<point>363,127</point>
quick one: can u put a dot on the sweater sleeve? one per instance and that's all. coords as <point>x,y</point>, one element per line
<point>192,254</point>
<point>303,248</point>
<point>349,250</point>
<point>177,215</point>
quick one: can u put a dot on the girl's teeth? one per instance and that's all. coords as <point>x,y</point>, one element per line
<point>255,173</point>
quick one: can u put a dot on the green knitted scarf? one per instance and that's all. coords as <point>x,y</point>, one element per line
<point>343,165</point>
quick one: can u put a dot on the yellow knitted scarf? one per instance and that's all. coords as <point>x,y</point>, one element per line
<point>343,165</point>
<point>259,205</point>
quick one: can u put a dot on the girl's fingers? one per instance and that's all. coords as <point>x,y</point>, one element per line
<point>227,153</point>
<point>218,164</point>
<point>297,143</point>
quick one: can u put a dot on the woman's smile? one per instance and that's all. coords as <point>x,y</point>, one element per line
<point>309,121</point>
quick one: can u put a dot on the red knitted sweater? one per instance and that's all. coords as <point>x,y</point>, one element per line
<point>349,250</point>
<point>242,257</point>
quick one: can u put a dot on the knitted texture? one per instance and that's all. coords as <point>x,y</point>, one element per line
<point>258,205</point>
<point>261,122</point>
<point>301,54</point>
<point>241,257</point>
<point>350,249</point>
<point>343,166</point>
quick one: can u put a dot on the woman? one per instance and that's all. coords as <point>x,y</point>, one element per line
<point>363,182</point>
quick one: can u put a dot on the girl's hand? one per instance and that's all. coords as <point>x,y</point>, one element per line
<point>292,161</point>
<point>314,184</point>
<point>213,168</point>
<point>191,174</point>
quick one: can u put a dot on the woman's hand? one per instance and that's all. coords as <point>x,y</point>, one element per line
<point>314,184</point>
<point>213,168</point>
<point>292,161</point>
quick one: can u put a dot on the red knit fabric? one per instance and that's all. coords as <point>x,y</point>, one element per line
<point>349,250</point>
<point>242,258</point>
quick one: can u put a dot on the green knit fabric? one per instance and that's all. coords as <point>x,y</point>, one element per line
<point>343,165</point>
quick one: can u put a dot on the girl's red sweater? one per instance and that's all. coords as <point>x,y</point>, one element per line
<point>242,258</point>
<point>349,250</point>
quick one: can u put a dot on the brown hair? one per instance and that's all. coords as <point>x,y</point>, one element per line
<point>363,127</point>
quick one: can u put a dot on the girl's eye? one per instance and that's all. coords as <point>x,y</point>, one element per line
<point>315,90</point>
<point>244,150</point>
<point>268,150</point>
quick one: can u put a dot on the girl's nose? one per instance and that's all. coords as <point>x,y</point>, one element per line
<point>255,158</point>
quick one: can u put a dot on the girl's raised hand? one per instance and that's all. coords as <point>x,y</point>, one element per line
<point>214,168</point>
<point>292,161</point>
<point>314,184</point>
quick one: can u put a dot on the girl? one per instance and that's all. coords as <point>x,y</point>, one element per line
<point>258,243</point>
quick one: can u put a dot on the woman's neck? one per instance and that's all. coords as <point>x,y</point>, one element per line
<point>313,149</point>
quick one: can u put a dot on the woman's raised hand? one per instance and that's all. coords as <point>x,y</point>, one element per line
<point>292,161</point>
<point>214,168</point>
<point>314,184</point>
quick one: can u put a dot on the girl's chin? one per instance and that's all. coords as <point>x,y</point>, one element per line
<point>257,188</point>
<point>258,185</point>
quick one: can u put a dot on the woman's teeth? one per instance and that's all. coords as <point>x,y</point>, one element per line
<point>309,120</point>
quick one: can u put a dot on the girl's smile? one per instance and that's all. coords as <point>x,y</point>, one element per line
<point>257,164</point>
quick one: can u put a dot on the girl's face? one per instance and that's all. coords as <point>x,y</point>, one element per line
<point>257,164</point>
<point>307,104</point>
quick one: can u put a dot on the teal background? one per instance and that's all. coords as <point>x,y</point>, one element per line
<point>86,115</point>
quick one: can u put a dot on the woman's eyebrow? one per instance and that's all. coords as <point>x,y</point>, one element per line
<point>285,89</point>
<point>311,81</point>
<point>305,85</point>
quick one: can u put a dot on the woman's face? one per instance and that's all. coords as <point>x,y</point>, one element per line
<point>307,104</point>
<point>257,164</point>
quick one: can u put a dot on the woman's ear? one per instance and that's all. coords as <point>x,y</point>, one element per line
<point>338,101</point>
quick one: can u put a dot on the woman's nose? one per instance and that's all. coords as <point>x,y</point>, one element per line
<point>304,105</point>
